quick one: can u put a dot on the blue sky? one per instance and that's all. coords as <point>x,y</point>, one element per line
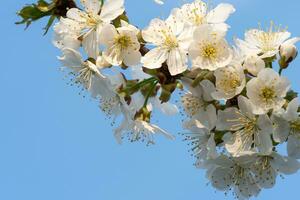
<point>55,144</point>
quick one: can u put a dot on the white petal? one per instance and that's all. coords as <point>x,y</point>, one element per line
<point>254,64</point>
<point>113,56</point>
<point>281,128</point>
<point>292,110</point>
<point>177,61</point>
<point>100,87</point>
<point>111,9</point>
<point>91,6</point>
<point>264,142</point>
<point>211,147</point>
<point>245,106</point>
<point>108,34</point>
<point>266,178</point>
<point>71,58</point>
<point>154,58</point>
<point>284,164</point>
<point>154,32</point>
<point>220,13</point>
<point>131,58</point>
<point>174,22</point>
<point>90,43</point>
<point>221,178</point>
<point>292,41</point>
<point>226,119</point>
<point>293,147</point>
<point>77,15</point>
<point>166,108</point>
<point>238,144</point>
<point>163,132</point>
<point>208,89</point>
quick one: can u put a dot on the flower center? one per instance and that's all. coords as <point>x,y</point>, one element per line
<point>84,76</point>
<point>229,82</point>
<point>198,19</point>
<point>267,39</point>
<point>92,20</point>
<point>170,41</point>
<point>249,126</point>
<point>209,51</point>
<point>267,94</point>
<point>245,124</point>
<point>124,41</point>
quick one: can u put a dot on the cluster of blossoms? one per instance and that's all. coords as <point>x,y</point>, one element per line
<point>238,107</point>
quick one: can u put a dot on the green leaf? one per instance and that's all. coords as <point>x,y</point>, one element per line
<point>49,24</point>
<point>32,13</point>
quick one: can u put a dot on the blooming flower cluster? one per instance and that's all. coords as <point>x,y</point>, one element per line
<point>239,108</point>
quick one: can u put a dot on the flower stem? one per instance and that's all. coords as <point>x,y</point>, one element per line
<point>150,92</point>
<point>141,84</point>
<point>280,71</point>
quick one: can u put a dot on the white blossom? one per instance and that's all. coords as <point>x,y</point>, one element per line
<point>196,99</point>
<point>137,129</point>
<point>90,22</point>
<point>264,43</point>
<point>202,136</point>
<point>267,91</point>
<point>287,127</point>
<point>238,108</point>
<point>111,103</point>
<point>86,73</point>
<point>197,13</point>
<point>66,33</point>
<point>249,131</point>
<point>267,167</point>
<point>171,43</point>
<point>230,81</point>
<point>227,173</point>
<point>122,45</point>
<point>209,49</point>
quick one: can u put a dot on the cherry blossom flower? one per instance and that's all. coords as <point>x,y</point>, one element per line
<point>122,45</point>
<point>90,22</point>
<point>265,43</point>
<point>171,44</point>
<point>249,131</point>
<point>209,50</point>
<point>230,81</point>
<point>267,91</point>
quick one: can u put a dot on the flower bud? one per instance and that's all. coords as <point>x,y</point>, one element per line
<point>288,52</point>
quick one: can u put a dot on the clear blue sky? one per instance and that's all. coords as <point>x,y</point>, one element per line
<point>56,145</point>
